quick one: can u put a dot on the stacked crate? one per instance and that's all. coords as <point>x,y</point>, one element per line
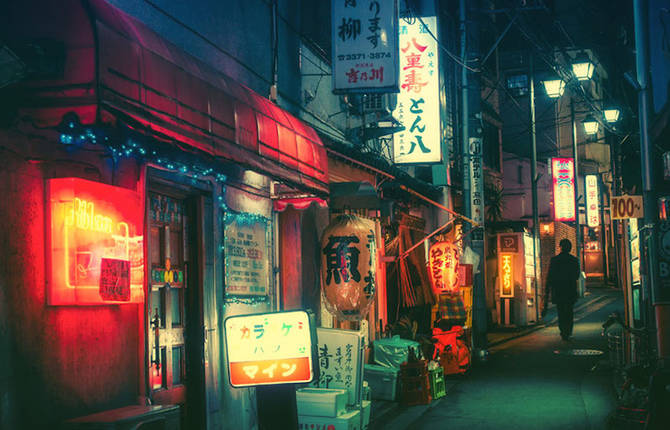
<point>415,383</point>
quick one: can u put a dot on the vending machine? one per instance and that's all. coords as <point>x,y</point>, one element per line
<point>516,299</point>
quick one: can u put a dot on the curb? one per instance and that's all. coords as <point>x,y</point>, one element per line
<point>546,324</point>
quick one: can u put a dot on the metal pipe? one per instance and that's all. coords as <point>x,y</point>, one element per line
<point>578,229</point>
<point>533,180</point>
<point>640,7</point>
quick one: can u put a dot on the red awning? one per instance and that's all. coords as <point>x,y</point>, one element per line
<point>123,69</point>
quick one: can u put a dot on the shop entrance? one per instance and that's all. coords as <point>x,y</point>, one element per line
<point>175,321</point>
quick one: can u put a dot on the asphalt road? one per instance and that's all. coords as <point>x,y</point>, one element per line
<point>532,382</point>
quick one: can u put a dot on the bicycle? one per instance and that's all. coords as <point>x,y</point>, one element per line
<point>631,360</point>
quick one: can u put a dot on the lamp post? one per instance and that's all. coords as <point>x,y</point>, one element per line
<point>578,228</point>
<point>533,179</point>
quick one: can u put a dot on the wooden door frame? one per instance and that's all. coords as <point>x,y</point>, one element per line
<point>174,185</point>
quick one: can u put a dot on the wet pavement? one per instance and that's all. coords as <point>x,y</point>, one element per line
<point>531,380</point>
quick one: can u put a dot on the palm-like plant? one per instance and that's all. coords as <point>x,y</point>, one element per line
<point>495,203</point>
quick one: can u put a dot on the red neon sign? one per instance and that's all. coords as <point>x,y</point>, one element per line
<point>96,243</point>
<point>563,176</point>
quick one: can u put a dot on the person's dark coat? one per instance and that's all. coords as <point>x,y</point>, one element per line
<point>562,278</point>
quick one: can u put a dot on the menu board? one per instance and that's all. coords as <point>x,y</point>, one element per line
<point>246,255</point>
<point>340,356</point>
<point>269,348</point>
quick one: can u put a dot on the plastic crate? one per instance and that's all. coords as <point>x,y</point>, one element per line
<point>383,381</point>
<point>321,402</point>
<point>414,369</point>
<point>437,386</point>
<point>415,390</point>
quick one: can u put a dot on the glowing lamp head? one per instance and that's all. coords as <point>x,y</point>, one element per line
<point>554,87</point>
<point>590,125</point>
<point>611,115</point>
<point>583,67</point>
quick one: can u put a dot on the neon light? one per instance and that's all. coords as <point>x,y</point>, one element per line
<point>91,226</point>
<point>506,275</point>
<point>563,175</point>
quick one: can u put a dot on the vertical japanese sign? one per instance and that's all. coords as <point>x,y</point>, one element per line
<point>591,186</point>
<point>246,255</point>
<point>365,46</point>
<point>270,348</point>
<point>96,243</point>
<point>339,353</point>
<point>418,107</point>
<point>476,183</point>
<point>563,177</point>
<point>506,274</point>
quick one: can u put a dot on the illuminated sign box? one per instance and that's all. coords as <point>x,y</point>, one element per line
<point>592,204</point>
<point>506,273</point>
<point>270,348</point>
<point>563,177</point>
<point>95,243</point>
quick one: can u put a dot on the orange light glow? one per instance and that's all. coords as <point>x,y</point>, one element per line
<point>91,223</point>
<point>265,372</point>
<point>443,270</point>
<point>506,267</point>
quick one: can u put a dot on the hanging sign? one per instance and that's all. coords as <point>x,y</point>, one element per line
<point>506,275</point>
<point>348,263</point>
<point>624,207</point>
<point>563,177</point>
<point>365,46</point>
<point>246,255</point>
<point>96,243</point>
<point>418,107</point>
<point>443,267</point>
<point>270,348</point>
<point>592,205</point>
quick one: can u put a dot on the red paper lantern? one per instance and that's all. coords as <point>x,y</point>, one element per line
<point>348,262</point>
<point>443,267</point>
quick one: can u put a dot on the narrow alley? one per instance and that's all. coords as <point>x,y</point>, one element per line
<point>535,381</point>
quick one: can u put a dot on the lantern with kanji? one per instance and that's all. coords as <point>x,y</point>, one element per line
<point>348,262</point>
<point>443,267</point>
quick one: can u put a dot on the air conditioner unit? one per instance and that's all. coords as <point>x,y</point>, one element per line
<point>380,103</point>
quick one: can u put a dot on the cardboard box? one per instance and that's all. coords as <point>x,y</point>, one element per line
<point>348,421</point>
<point>322,402</point>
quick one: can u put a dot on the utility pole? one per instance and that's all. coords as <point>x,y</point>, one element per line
<point>578,227</point>
<point>533,179</point>
<point>473,175</point>
<point>653,291</point>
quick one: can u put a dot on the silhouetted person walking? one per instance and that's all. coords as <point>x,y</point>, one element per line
<point>562,282</point>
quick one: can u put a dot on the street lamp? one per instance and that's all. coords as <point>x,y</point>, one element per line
<point>611,115</point>
<point>554,87</point>
<point>582,67</point>
<point>590,124</point>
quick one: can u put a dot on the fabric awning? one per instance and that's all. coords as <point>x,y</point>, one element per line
<point>117,68</point>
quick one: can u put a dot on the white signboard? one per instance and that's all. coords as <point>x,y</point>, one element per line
<point>246,255</point>
<point>476,181</point>
<point>418,107</point>
<point>623,207</point>
<point>592,206</point>
<point>365,46</point>
<point>340,357</point>
<point>270,348</point>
